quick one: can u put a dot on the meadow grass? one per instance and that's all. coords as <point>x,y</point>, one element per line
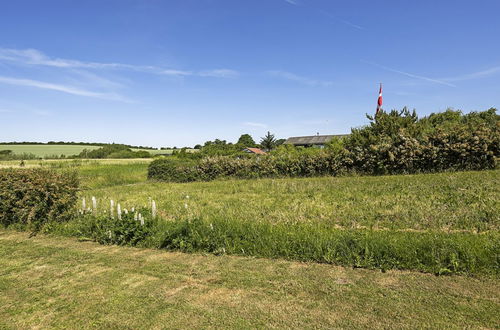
<point>460,201</point>
<point>439,223</point>
<point>54,282</point>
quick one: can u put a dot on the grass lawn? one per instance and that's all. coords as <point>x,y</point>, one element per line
<point>63,283</point>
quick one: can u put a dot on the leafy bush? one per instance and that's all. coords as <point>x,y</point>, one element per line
<point>394,142</point>
<point>32,197</point>
<point>173,169</point>
<point>398,142</point>
<point>108,230</point>
<point>114,151</point>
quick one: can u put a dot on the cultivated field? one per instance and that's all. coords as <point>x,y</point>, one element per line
<point>41,150</point>
<point>48,150</point>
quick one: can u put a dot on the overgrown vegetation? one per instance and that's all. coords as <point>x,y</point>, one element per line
<point>393,143</point>
<point>114,151</point>
<point>33,197</point>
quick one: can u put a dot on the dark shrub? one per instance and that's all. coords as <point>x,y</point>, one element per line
<point>174,170</point>
<point>33,197</point>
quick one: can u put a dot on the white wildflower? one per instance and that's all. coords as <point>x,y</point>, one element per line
<point>119,211</point>
<point>153,209</point>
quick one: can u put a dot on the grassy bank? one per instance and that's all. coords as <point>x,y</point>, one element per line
<point>438,223</point>
<point>61,283</point>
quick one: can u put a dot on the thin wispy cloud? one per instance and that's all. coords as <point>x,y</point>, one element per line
<point>36,57</point>
<point>253,124</point>
<point>299,79</point>
<point>475,75</point>
<point>356,26</point>
<point>177,73</point>
<point>61,88</point>
<point>292,2</point>
<point>411,75</point>
<point>219,73</point>
<point>338,19</point>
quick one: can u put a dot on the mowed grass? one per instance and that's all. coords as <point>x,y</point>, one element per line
<point>460,201</point>
<point>54,282</point>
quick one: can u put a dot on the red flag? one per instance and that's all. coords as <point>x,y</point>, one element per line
<point>379,101</point>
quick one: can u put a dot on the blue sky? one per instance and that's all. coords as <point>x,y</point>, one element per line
<point>180,72</point>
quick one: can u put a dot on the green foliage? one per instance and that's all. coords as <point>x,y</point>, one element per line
<point>268,142</point>
<point>173,169</point>
<point>433,252</point>
<point>114,151</point>
<point>220,148</point>
<point>394,142</point>
<point>246,141</point>
<point>281,164</point>
<point>108,230</point>
<point>32,197</point>
<point>398,142</point>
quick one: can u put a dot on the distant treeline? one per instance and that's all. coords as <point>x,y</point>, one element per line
<point>77,143</point>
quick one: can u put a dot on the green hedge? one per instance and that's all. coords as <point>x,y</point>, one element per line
<point>31,197</point>
<point>396,142</point>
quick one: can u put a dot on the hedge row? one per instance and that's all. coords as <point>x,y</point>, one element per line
<point>32,197</point>
<point>394,143</point>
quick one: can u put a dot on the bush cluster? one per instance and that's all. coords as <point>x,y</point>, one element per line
<point>32,197</point>
<point>114,151</point>
<point>393,143</point>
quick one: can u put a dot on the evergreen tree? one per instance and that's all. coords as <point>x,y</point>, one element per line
<point>268,142</point>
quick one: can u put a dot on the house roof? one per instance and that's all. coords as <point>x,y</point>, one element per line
<point>256,151</point>
<point>312,140</point>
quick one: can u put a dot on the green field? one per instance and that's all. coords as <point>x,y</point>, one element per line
<point>48,150</point>
<point>447,201</point>
<point>55,281</point>
<point>41,150</point>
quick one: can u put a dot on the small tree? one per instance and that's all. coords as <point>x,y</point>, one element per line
<point>268,142</point>
<point>246,140</point>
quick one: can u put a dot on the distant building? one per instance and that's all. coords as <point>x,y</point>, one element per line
<point>312,141</point>
<point>254,151</point>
